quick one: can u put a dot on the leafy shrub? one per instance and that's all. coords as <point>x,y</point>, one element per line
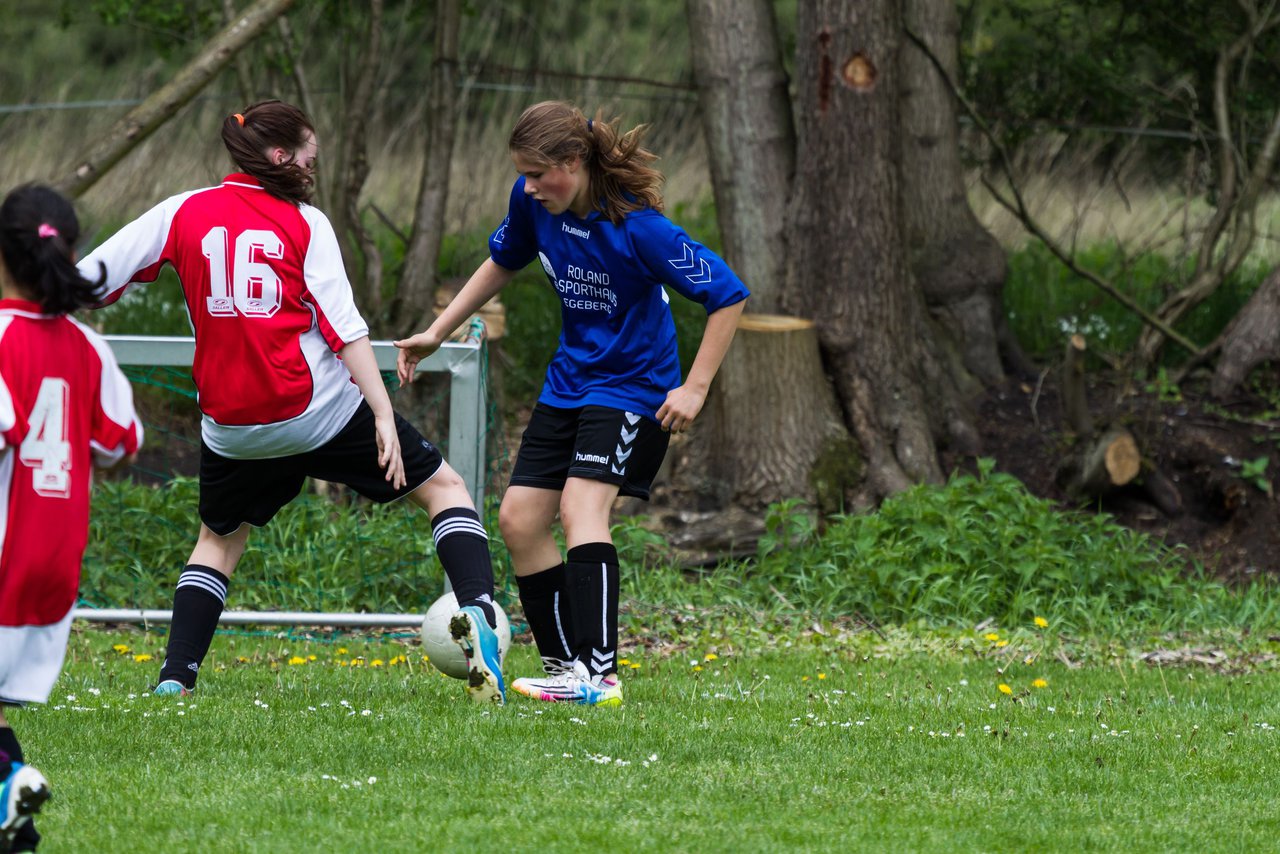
<point>979,547</point>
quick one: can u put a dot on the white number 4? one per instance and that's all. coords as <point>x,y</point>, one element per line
<point>46,449</point>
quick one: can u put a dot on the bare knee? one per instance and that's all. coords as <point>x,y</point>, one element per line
<point>517,524</point>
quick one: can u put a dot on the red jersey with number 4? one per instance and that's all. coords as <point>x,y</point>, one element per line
<point>64,406</point>
<point>270,305</point>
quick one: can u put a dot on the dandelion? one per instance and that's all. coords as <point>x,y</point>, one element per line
<point>624,661</point>
<point>311,658</point>
<point>697,668</point>
<point>711,656</point>
<point>634,666</point>
<point>822,676</point>
<point>242,659</point>
<point>991,636</point>
<point>1002,643</point>
<point>297,659</point>
<point>1041,622</point>
<point>1040,683</point>
<point>342,650</point>
<point>377,662</point>
<point>804,678</point>
<point>1004,689</point>
<point>121,648</point>
<point>141,657</point>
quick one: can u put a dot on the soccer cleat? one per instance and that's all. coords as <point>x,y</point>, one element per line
<point>171,688</point>
<point>470,630</point>
<point>21,797</point>
<point>574,685</point>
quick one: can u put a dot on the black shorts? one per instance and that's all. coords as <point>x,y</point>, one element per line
<point>233,492</point>
<point>592,442</point>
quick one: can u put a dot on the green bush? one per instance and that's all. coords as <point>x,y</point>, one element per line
<point>979,547</point>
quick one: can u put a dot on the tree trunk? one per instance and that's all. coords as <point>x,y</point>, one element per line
<point>791,443</point>
<point>848,268</point>
<point>1251,338</point>
<point>772,381</point>
<point>958,264</point>
<point>363,259</point>
<point>422,255</point>
<point>144,119</point>
<point>746,119</point>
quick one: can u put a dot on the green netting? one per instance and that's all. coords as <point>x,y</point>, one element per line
<point>329,550</point>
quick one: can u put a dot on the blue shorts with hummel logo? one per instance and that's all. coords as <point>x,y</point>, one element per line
<point>592,442</point>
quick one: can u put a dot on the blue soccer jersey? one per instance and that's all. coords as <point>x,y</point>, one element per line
<point>617,339</point>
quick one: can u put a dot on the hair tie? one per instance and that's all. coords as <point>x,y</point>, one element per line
<point>589,125</point>
<point>238,118</point>
<point>45,230</point>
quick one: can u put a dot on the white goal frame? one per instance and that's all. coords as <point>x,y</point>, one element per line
<point>463,361</point>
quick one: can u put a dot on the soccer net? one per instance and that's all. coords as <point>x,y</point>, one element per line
<point>330,558</point>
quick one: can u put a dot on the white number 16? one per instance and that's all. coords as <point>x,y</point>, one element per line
<point>250,286</point>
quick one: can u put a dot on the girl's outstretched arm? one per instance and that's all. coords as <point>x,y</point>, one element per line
<point>479,289</point>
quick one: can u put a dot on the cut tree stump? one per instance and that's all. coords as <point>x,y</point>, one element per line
<point>770,425</point>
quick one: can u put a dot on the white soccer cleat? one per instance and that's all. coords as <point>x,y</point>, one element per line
<point>572,685</point>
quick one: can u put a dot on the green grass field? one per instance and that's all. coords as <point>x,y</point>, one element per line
<point>835,740</point>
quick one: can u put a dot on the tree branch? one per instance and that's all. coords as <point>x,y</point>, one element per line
<point>1018,207</point>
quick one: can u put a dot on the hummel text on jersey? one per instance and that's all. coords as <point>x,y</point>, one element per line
<point>576,232</point>
<point>580,457</point>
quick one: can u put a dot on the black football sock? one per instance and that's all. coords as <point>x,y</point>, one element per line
<point>197,605</point>
<point>27,837</point>
<point>10,752</point>
<point>545,598</point>
<point>592,578</point>
<point>463,546</point>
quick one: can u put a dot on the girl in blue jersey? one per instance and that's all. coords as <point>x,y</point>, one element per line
<point>587,206</point>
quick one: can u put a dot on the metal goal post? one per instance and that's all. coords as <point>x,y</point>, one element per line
<point>463,362</point>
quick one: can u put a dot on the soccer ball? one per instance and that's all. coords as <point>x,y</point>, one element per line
<point>445,655</point>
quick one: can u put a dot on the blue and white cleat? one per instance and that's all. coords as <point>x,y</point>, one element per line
<point>21,797</point>
<point>171,688</point>
<point>470,630</point>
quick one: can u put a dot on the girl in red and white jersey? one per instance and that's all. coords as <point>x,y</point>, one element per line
<point>287,381</point>
<point>64,408</point>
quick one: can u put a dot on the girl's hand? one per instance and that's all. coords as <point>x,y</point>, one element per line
<point>680,408</point>
<point>412,351</point>
<point>389,449</point>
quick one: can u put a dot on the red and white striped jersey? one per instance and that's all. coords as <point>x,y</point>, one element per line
<point>270,305</point>
<point>64,405</point>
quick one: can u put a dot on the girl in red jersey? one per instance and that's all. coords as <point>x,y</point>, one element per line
<point>287,382</point>
<point>64,408</point>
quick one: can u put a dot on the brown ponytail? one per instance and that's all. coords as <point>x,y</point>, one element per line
<point>250,134</point>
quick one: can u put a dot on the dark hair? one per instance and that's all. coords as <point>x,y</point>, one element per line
<point>249,135</point>
<point>555,132</point>
<point>38,229</point>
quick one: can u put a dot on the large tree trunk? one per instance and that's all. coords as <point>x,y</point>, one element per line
<point>772,381</point>
<point>959,266</point>
<point>422,256</point>
<point>145,118</point>
<point>746,119</point>
<point>359,250</point>
<point>1251,338</point>
<point>848,268</point>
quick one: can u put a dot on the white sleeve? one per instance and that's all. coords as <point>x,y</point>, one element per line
<point>326,281</point>
<point>120,434</point>
<point>133,253</point>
